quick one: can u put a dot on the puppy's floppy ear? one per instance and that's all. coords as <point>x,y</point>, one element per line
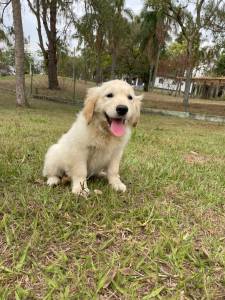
<point>89,104</point>
<point>136,116</point>
<point>139,98</point>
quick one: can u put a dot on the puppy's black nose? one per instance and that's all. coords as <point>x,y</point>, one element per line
<point>121,110</point>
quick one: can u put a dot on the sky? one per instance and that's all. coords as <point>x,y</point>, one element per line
<point>29,22</point>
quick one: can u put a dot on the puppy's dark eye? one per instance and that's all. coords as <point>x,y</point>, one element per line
<point>110,95</point>
<point>129,97</point>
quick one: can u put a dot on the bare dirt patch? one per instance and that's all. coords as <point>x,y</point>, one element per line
<point>196,158</point>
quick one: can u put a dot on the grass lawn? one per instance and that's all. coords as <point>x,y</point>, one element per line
<point>163,239</point>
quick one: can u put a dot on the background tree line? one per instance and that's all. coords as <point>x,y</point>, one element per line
<point>167,37</point>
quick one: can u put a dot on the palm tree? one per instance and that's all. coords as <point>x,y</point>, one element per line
<point>153,35</point>
<point>117,29</point>
<point>92,28</point>
<point>19,54</point>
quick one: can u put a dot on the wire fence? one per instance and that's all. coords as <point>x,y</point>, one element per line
<point>70,91</point>
<point>73,91</point>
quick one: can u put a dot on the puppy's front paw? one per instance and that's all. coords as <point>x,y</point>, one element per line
<point>54,180</point>
<point>79,191</point>
<point>118,186</point>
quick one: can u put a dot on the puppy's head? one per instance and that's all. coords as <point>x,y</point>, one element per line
<point>115,104</point>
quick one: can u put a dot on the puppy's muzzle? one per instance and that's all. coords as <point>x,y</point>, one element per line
<point>121,110</point>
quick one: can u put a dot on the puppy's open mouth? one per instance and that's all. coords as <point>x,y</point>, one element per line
<point>117,125</point>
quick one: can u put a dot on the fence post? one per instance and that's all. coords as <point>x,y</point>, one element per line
<point>74,76</point>
<point>149,78</point>
<point>31,79</point>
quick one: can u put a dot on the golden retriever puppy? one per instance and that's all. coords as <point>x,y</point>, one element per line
<point>96,140</point>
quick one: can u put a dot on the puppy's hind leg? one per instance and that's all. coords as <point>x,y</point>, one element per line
<point>52,173</point>
<point>54,180</point>
<point>52,168</point>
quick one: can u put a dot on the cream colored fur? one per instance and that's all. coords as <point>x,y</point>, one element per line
<point>89,148</point>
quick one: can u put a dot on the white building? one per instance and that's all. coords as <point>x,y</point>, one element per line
<point>171,84</point>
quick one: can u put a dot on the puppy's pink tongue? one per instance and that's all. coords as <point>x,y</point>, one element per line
<point>117,127</point>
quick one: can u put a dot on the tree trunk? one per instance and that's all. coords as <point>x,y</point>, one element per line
<point>178,87</point>
<point>187,88</point>
<point>19,54</point>
<point>150,77</point>
<point>113,66</point>
<point>155,70</point>
<point>52,68</point>
<point>40,10</point>
<point>98,69</point>
<point>188,76</point>
<point>99,46</point>
<point>52,49</point>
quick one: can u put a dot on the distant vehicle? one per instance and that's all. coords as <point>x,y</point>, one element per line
<point>6,70</point>
<point>12,70</point>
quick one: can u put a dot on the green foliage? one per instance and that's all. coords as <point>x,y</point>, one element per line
<point>8,59</point>
<point>3,36</point>
<point>176,49</point>
<point>173,59</point>
<point>102,30</point>
<point>112,40</point>
<point>68,63</point>
<point>220,65</point>
<point>152,33</point>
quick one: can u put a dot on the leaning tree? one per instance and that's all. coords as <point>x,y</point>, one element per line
<point>47,14</point>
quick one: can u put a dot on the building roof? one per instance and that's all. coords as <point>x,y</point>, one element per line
<point>207,80</point>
